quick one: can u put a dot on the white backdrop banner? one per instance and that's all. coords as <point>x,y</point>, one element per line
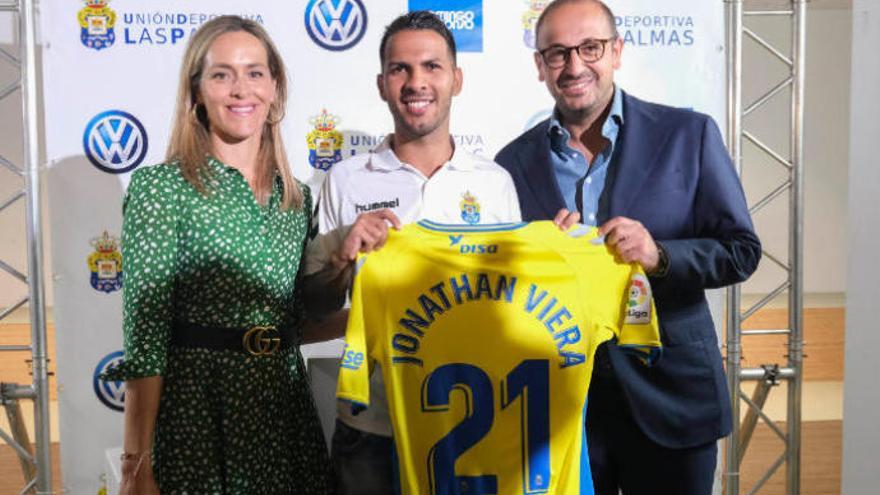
<point>110,74</point>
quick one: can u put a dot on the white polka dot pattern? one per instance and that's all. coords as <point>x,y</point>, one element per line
<point>228,422</point>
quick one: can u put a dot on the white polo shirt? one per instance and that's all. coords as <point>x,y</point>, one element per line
<point>468,189</point>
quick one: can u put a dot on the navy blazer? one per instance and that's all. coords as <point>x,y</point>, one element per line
<point>671,172</point>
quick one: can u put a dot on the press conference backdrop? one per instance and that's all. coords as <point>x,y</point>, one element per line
<point>110,76</point>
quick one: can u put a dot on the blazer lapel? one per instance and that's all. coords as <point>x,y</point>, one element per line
<point>538,171</point>
<point>636,151</point>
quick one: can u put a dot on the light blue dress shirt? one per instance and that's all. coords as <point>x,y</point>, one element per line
<point>581,183</point>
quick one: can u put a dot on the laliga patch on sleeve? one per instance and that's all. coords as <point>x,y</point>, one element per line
<point>638,304</point>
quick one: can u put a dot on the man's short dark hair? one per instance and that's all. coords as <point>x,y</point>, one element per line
<point>609,15</point>
<point>416,20</point>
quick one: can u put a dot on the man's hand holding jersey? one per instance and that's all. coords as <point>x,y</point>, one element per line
<point>632,243</point>
<point>565,219</point>
<point>368,233</point>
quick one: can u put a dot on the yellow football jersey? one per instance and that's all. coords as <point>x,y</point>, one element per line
<point>486,337</point>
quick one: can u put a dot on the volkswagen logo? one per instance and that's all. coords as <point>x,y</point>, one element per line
<point>115,141</point>
<point>336,24</point>
<point>111,394</point>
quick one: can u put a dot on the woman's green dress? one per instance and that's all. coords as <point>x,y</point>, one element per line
<point>228,422</point>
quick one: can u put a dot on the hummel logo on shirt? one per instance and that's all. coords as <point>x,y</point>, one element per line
<point>378,205</point>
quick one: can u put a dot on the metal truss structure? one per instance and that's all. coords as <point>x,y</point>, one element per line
<point>35,462</point>
<point>792,161</point>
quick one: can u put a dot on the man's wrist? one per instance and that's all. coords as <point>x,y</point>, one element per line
<point>325,291</point>
<point>662,267</point>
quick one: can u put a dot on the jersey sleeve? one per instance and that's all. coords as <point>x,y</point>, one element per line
<point>354,368</point>
<point>639,330</point>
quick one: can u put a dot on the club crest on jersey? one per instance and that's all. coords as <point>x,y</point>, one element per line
<point>324,141</point>
<point>105,263</point>
<point>96,21</point>
<point>470,208</point>
<point>638,306</point>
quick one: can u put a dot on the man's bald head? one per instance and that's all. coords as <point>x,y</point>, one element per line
<point>559,3</point>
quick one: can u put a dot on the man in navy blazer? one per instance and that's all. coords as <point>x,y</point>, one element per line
<point>660,185</point>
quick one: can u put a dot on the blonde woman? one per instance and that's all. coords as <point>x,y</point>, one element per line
<point>217,397</point>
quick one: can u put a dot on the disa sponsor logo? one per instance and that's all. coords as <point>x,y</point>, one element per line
<point>465,248</point>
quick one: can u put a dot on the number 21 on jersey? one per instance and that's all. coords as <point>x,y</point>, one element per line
<point>528,382</point>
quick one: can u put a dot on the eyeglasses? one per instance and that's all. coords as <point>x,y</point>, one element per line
<point>589,51</point>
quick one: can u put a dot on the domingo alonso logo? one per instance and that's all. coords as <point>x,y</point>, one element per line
<point>463,17</point>
<point>110,393</point>
<point>115,141</point>
<point>336,24</point>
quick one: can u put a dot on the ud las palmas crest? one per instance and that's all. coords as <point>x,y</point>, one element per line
<point>470,209</point>
<point>325,142</point>
<point>96,21</point>
<point>530,19</point>
<point>105,263</point>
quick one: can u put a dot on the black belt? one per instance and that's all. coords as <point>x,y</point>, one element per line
<point>258,340</point>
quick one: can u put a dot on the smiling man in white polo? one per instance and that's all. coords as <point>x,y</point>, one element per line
<point>415,173</point>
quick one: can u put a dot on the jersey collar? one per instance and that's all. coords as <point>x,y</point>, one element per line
<point>384,158</point>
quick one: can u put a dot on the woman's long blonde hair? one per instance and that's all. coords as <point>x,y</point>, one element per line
<point>190,138</point>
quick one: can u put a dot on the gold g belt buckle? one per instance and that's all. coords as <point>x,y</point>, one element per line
<point>261,341</point>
